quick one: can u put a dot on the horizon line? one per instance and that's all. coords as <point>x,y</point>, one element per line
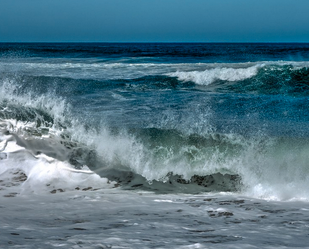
<point>215,42</point>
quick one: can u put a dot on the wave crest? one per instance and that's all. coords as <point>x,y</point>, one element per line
<point>211,75</point>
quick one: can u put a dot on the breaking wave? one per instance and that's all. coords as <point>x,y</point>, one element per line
<point>44,147</point>
<point>210,75</point>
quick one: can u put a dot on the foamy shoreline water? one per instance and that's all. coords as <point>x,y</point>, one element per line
<point>129,219</point>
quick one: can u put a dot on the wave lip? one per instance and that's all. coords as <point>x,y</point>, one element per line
<point>211,75</point>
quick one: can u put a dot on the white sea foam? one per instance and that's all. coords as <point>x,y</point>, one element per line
<point>221,73</point>
<point>41,173</point>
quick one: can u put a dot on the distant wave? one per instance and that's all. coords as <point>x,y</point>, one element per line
<point>210,75</point>
<point>199,73</point>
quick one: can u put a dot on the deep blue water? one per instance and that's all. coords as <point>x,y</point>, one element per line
<point>162,52</point>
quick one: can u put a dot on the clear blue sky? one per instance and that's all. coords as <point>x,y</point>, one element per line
<point>155,20</point>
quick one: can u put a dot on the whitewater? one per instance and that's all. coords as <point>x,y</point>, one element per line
<point>153,145</point>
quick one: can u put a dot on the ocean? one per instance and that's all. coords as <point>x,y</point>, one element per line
<point>154,145</point>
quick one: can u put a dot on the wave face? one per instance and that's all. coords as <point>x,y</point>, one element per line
<point>161,117</point>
